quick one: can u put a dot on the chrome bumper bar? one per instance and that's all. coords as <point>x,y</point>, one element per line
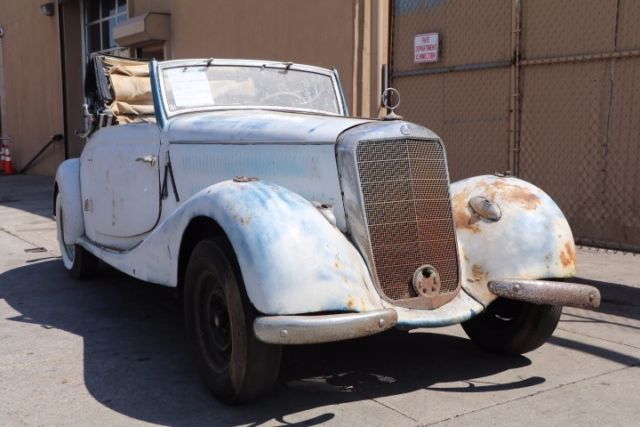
<point>314,329</point>
<point>547,292</point>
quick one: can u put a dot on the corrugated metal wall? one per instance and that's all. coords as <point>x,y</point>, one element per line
<point>548,90</point>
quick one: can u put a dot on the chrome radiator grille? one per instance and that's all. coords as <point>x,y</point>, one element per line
<point>405,186</point>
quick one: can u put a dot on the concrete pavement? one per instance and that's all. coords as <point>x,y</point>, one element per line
<point>111,351</point>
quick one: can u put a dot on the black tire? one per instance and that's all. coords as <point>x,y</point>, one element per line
<point>85,264</point>
<point>235,365</point>
<point>513,327</point>
<point>80,263</point>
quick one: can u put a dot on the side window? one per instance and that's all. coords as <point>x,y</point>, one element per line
<point>100,18</point>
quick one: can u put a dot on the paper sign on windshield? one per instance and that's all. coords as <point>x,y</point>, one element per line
<point>190,87</point>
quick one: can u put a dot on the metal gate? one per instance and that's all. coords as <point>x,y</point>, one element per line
<point>547,90</point>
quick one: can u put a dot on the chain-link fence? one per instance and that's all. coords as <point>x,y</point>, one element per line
<point>548,90</point>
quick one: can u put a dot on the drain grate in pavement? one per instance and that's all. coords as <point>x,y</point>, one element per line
<point>37,250</point>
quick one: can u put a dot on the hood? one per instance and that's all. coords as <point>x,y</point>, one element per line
<point>258,126</point>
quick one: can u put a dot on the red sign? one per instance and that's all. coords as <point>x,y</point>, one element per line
<point>425,48</point>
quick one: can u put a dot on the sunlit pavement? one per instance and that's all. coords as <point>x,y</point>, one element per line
<point>112,351</point>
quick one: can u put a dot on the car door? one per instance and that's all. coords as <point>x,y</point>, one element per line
<point>121,183</point>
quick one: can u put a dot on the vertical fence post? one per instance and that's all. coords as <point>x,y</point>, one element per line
<point>514,93</point>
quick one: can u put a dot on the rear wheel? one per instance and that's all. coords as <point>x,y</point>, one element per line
<point>513,327</point>
<point>235,365</point>
<point>80,263</point>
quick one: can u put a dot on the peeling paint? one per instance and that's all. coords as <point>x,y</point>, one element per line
<point>266,224</point>
<point>514,193</point>
<point>247,127</point>
<point>465,220</point>
<point>568,255</point>
<point>523,244</point>
<point>478,273</point>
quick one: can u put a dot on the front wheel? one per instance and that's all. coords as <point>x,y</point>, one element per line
<point>80,262</point>
<point>513,327</point>
<point>219,322</point>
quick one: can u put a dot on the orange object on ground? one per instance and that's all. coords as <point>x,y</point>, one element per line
<point>8,163</point>
<point>2,158</point>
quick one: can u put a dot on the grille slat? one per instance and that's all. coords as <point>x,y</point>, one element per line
<point>407,202</point>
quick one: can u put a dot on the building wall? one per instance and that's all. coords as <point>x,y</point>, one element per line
<point>140,7</point>
<point>32,90</point>
<point>351,36</point>
<point>317,33</point>
<point>74,73</point>
<point>348,35</point>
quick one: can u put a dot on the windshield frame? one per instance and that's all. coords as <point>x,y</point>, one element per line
<point>166,65</point>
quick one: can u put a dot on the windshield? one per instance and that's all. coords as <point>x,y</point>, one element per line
<point>188,87</point>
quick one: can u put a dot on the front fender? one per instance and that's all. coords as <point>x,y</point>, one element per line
<point>68,183</point>
<point>531,240</point>
<point>292,259</point>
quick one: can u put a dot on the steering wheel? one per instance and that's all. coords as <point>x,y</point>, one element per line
<point>300,100</point>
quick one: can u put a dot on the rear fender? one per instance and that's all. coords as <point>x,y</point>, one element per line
<point>531,240</point>
<point>68,185</point>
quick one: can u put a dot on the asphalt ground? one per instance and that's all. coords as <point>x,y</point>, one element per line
<point>112,351</point>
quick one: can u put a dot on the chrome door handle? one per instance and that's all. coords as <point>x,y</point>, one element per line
<point>150,159</point>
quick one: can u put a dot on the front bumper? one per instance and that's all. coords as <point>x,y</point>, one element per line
<point>315,329</point>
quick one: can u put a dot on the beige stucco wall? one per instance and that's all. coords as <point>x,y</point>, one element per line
<point>74,71</point>
<point>140,7</point>
<point>32,90</point>
<point>350,35</point>
<point>313,32</point>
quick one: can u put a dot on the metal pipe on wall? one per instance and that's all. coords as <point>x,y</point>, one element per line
<point>63,73</point>
<point>514,101</point>
<point>3,110</point>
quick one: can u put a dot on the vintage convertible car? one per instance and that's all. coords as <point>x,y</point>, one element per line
<point>282,220</point>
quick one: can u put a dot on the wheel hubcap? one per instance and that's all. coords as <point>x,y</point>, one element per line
<point>215,324</point>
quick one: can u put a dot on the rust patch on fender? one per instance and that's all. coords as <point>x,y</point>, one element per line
<point>526,198</point>
<point>478,273</point>
<point>466,221</point>
<point>462,215</point>
<point>515,194</point>
<point>351,303</point>
<point>568,255</point>
<point>463,218</point>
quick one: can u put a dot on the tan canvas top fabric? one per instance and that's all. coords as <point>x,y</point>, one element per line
<point>133,101</point>
<point>132,89</point>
